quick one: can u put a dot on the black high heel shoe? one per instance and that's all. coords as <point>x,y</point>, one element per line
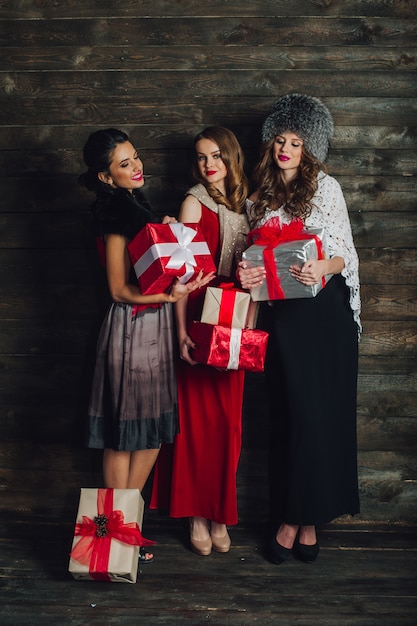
<point>277,553</point>
<point>307,554</point>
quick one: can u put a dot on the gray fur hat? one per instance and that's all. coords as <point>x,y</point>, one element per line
<point>305,116</point>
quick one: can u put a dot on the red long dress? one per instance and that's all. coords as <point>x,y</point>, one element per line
<point>204,456</point>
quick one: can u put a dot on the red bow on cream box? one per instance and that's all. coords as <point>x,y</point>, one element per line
<point>229,348</point>
<point>107,535</point>
<point>279,247</point>
<point>162,252</point>
<point>226,306</point>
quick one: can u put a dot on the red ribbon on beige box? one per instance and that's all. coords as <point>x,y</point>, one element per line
<point>93,549</point>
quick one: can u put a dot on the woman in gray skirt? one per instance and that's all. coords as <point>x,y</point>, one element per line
<point>133,405</point>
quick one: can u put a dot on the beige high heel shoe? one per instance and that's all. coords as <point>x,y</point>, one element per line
<point>202,547</point>
<point>221,544</point>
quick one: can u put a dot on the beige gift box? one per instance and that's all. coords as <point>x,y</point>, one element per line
<point>211,313</point>
<point>123,557</point>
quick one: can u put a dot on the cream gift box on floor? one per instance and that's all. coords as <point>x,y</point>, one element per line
<point>108,535</point>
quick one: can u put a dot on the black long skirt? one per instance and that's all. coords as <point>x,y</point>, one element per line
<point>311,375</point>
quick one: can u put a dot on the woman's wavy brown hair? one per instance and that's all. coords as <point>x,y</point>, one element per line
<point>232,156</point>
<point>296,198</point>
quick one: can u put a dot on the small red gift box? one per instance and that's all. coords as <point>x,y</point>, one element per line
<point>279,248</point>
<point>107,535</point>
<point>225,306</point>
<point>162,252</point>
<point>229,348</point>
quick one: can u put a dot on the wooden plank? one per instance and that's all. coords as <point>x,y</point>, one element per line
<point>384,609</point>
<point>185,57</point>
<point>386,382</point>
<point>76,85</point>
<point>48,337</point>
<point>222,31</point>
<point>45,266</point>
<point>39,302</point>
<point>387,434</point>
<point>379,404</point>
<point>386,338</point>
<point>388,303</point>
<point>31,9</point>
<point>53,422</point>
<point>388,265</point>
<point>129,109</point>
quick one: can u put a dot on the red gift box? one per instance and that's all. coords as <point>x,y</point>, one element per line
<point>162,252</point>
<point>229,348</point>
<point>107,535</point>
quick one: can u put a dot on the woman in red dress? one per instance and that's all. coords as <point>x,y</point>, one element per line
<point>206,451</point>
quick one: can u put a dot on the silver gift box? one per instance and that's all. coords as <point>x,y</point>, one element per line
<point>288,253</point>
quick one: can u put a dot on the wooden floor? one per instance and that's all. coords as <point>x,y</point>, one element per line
<point>364,576</point>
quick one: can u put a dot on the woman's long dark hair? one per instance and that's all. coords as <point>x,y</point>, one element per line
<point>97,156</point>
<point>98,152</point>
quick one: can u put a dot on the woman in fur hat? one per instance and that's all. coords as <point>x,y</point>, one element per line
<point>311,369</point>
<point>133,409</point>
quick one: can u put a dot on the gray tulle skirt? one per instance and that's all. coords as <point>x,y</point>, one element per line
<point>133,404</point>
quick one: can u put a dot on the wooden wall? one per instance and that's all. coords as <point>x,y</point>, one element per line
<point>162,71</point>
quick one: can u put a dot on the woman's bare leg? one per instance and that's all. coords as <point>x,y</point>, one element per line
<point>141,464</point>
<point>128,470</point>
<point>116,466</point>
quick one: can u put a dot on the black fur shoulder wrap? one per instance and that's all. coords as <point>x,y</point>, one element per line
<point>122,213</point>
